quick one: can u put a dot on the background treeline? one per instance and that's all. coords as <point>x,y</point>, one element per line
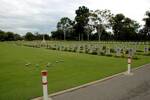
<point>9,36</point>
<point>101,25</point>
<point>29,36</point>
<point>91,25</point>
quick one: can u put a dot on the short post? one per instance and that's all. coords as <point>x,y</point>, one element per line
<point>129,65</point>
<point>44,83</point>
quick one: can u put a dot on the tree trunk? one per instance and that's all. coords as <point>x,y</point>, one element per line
<point>64,35</point>
<point>79,37</point>
<point>82,37</point>
<point>88,37</point>
<point>99,36</point>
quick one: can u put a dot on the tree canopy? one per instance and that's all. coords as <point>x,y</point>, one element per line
<point>9,36</point>
<point>101,25</point>
<point>124,28</point>
<point>144,33</point>
<point>81,20</point>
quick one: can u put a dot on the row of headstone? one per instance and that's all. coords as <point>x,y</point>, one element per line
<point>122,52</point>
<point>93,48</point>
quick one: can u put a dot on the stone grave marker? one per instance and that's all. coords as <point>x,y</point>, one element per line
<point>118,52</point>
<point>146,49</point>
<point>107,51</point>
<point>130,52</point>
<point>78,48</point>
<point>91,49</point>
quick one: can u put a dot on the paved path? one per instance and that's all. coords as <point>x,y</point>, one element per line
<point>122,87</point>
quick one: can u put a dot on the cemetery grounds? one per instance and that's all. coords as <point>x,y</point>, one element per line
<point>69,64</point>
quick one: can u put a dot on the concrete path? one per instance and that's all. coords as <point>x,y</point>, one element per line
<point>122,87</point>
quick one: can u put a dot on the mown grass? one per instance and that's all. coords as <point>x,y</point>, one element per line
<point>21,82</point>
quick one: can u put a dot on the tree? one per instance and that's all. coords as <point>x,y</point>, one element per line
<point>88,30</point>
<point>90,27</point>
<point>82,14</point>
<point>145,32</point>
<point>147,20</point>
<point>17,37</point>
<point>46,36</point>
<point>101,20</point>
<point>10,36</point>
<point>2,35</point>
<point>38,36</point>
<point>124,28</point>
<point>64,24</point>
<point>117,25</point>
<point>29,36</point>
<point>57,35</point>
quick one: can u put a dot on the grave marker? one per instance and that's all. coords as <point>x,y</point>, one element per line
<point>146,49</point>
<point>130,52</point>
<point>118,52</point>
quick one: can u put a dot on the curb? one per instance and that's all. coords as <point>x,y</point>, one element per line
<point>88,84</point>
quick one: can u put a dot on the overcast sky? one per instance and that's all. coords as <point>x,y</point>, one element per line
<point>22,16</point>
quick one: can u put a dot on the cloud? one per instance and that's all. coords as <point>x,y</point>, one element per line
<point>134,9</point>
<point>22,16</point>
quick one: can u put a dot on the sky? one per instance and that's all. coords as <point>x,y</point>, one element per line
<point>41,16</point>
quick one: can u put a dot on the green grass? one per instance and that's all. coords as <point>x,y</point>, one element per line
<point>20,82</point>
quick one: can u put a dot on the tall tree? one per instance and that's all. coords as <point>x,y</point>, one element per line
<point>64,24</point>
<point>147,19</point>
<point>29,36</point>
<point>88,30</point>
<point>124,28</point>
<point>2,35</point>
<point>117,24</point>
<point>82,14</point>
<point>101,19</point>
<point>17,37</point>
<point>10,36</point>
<point>57,35</point>
<point>90,27</point>
<point>145,32</point>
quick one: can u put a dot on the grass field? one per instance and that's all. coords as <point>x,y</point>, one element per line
<point>20,82</point>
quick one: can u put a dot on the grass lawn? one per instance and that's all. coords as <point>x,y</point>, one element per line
<point>20,82</point>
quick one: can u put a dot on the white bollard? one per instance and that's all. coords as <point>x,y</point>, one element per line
<point>44,83</point>
<point>129,65</point>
